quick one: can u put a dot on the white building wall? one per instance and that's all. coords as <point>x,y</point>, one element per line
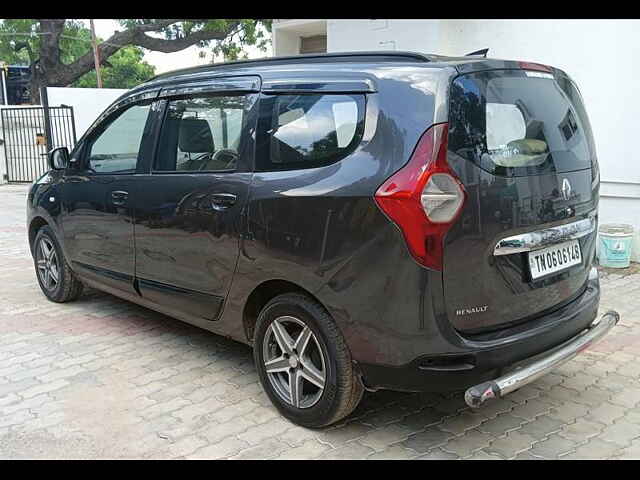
<point>356,35</point>
<point>287,43</point>
<point>286,34</point>
<point>602,56</point>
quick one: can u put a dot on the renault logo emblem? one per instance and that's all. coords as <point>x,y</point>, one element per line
<point>566,189</point>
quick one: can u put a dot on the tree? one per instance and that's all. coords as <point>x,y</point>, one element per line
<point>57,53</point>
<point>126,69</point>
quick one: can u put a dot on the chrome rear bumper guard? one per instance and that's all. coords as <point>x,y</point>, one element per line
<point>475,396</point>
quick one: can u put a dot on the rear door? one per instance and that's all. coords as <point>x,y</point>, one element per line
<point>190,206</point>
<point>521,143</point>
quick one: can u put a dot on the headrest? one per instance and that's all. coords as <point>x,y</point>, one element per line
<point>528,146</point>
<point>195,136</point>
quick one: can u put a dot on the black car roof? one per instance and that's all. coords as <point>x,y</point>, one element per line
<point>339,59</point>
<point>373,57</point>
<point>366,56</point>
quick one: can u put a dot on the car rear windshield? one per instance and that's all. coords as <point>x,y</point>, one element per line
<point>519,122</point>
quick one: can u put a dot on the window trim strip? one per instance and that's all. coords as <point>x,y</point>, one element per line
<point>222,86</point>
<point>318,86</point>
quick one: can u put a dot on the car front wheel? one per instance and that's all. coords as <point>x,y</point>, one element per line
<point>57,281</point>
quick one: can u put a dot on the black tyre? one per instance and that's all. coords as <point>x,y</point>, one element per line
<point>57,281</point>
<point>303,362</point>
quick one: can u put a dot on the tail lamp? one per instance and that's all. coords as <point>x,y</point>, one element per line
<point>424,198</point>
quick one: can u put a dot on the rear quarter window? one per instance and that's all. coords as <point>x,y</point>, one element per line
<point>517,123</point>
<point>308,130</point>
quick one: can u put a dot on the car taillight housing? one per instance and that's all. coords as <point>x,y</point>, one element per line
<point>424,198</point>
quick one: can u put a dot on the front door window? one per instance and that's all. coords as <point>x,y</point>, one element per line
<point>116,149</point>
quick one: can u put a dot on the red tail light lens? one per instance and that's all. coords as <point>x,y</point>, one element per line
<point>424,198</point>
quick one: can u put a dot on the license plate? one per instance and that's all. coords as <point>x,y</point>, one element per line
<point>554,259</point>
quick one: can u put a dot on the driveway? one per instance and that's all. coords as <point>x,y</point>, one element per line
<point>104,378</point>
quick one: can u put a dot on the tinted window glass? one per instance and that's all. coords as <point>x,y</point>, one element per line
<point>517,122</point>
<point>116,149</point>
<point>201,134</point>
<point>305,131</point>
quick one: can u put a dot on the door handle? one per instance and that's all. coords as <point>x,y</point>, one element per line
<point>119,197</point>
<point>74,179</point>
<point>221,201</point>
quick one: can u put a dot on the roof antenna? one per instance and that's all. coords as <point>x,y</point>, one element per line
<point>482,52</point>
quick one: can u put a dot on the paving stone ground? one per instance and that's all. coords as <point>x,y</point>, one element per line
<point>104,378</point>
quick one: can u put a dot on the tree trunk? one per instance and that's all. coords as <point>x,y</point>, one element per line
<point>37,81</point>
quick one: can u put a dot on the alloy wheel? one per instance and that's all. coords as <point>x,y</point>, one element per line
<point>47,262</point>
<point>294,362</point>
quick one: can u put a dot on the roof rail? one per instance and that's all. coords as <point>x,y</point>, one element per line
<point>314,57</point>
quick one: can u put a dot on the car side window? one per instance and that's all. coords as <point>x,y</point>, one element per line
<point>310,130</point>
<point>115,149</point>
<point>201,134</point>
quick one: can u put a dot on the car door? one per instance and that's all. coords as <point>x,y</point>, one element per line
<point>521,143</point>
<point>190,207</point>
<point>97,199</point>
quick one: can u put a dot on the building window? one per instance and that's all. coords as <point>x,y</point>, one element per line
<point>315,44</point>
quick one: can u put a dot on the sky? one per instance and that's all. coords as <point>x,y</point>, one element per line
<point>165,62</point>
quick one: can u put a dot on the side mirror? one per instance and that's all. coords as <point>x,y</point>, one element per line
<point>59,158</point>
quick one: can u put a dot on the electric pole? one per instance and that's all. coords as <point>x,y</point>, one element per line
<point>96,55</point>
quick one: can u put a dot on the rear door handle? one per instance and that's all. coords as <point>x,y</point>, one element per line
<point>221,201</point>
<point>119,197</point>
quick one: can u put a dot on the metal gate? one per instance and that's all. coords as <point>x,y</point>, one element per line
<point>25,143</point>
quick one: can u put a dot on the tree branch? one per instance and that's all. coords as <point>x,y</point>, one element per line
<point>177,44</point>
<point>67,74</point>
<point>154,27</point>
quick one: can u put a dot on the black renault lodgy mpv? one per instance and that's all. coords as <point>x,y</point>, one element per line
<point>364,220</point>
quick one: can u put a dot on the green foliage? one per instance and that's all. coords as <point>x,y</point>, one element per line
<point>243,33</point>
<point>248,32</point>
<point>12,31</point>
<point>126,71</point>
<point>20,42</point>
<point>127,67</point>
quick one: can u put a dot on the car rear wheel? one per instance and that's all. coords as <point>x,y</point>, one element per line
<point>303,362</point>
<point>57,281</point>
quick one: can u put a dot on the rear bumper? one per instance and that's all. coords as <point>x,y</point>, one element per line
<point>478,394</point>
<point>476,363</point>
